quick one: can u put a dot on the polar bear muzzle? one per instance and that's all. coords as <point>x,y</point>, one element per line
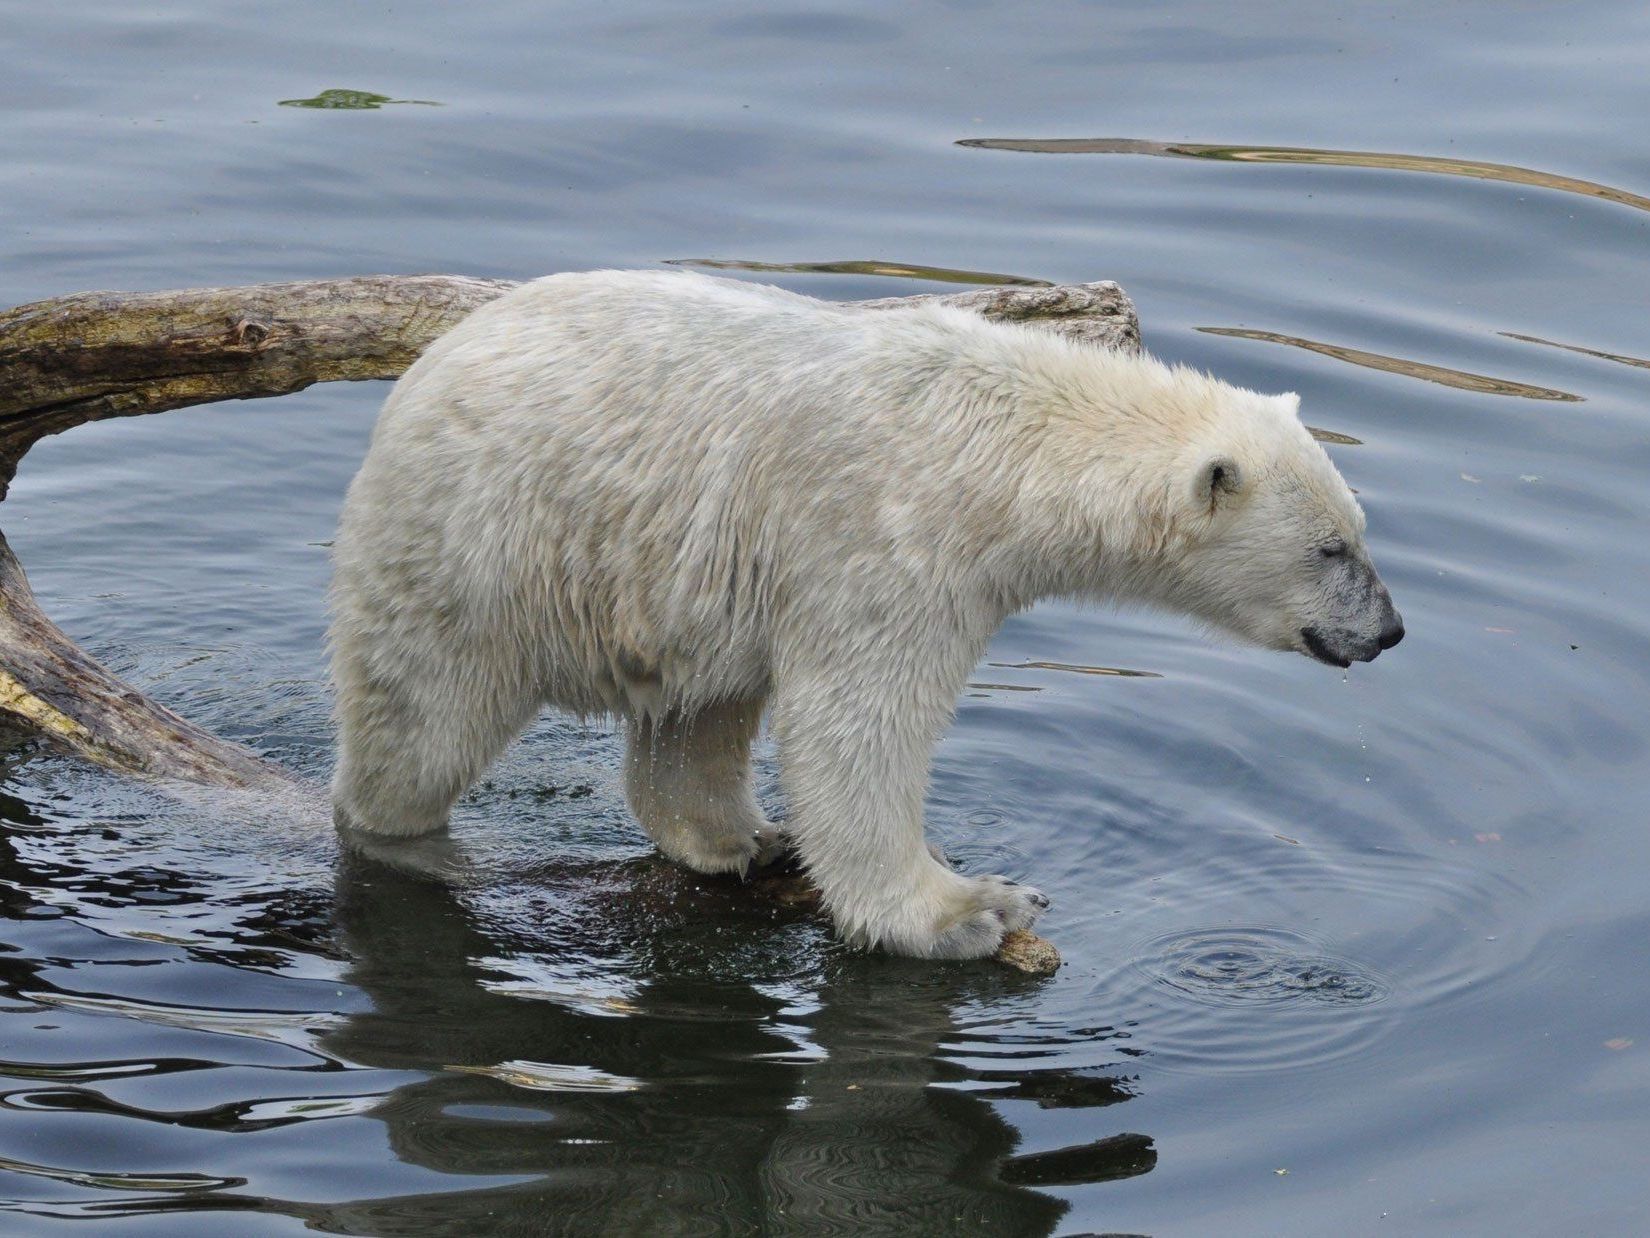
<point>1377,625</point>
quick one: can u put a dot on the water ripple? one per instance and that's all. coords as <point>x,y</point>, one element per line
<point>553,1077</point>
<point>1252,998</point>
<point>1259,965</point>
<point>295,1029</point>
<point>115,1181</point>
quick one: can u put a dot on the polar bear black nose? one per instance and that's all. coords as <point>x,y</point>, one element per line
<point>1392,632</point>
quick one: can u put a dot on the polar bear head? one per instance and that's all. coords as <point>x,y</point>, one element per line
<point>1267,540</point>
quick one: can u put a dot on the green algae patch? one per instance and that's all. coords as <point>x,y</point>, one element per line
<point>352,101</point>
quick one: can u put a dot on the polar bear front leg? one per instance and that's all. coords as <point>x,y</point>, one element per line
<point>855,757</point>
<point>688,780</point>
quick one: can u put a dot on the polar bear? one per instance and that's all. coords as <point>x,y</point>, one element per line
<point>690,502</point>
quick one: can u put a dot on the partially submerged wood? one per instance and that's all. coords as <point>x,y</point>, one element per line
<point>1099,313</point>
<point>52,688</point>
<point>119,354</point>
<point>95,355</point>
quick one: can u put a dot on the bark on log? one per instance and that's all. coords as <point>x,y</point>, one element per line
<point>106,354</point>
<point>119,354</point>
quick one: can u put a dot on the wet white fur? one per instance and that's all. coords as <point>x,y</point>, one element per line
<point>688,502</point>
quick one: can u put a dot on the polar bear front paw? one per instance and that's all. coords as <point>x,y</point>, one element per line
<point>949,917</point>
<point>990,907</point>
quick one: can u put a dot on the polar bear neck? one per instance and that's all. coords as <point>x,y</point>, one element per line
<point>1077,458</point>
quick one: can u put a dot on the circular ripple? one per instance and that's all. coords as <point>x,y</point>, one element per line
<point>1247,966</point>
<point>1251,998</point>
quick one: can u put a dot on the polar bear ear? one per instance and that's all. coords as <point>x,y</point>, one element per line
<point>1290,402</point>
<point>1219,480</point>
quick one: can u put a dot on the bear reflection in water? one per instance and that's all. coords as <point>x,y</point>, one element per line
<point>701,1103</point>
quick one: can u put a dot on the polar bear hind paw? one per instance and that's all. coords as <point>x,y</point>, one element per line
<point>717,851</point>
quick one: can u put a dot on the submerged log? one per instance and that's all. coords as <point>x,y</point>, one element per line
<point>96,355</point>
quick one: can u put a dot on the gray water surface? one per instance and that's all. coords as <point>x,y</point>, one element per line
<point>1350,954</point>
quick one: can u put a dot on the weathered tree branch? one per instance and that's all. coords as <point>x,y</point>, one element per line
<point>113,354</point>
<point>1098,313</point>
<point>105,354</point>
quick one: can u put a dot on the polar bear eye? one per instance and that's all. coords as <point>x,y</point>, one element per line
<point>1333,550</point>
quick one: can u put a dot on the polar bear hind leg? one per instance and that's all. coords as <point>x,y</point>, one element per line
<point>415,732</point>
